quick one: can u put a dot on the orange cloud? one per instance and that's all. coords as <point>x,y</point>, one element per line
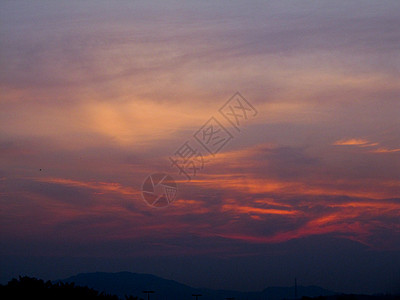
<point>255,210</point>
<point>386,150</point>
<point>100,187</point>
<point>355,142</point>
<point>343,222</point>
<point>365,143</point>
<point>250,184</point>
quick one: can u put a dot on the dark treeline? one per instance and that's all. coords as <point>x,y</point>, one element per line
<point>32,288</point>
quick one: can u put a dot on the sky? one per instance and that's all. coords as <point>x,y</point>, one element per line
<point>96,96</point>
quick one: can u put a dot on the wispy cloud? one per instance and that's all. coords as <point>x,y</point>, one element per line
<point>99,187</point>
<point>386,150</point>
<point>355,142</point>
<point>364,143</point>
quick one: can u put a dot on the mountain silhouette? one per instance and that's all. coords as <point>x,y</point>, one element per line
<point>126,283</point>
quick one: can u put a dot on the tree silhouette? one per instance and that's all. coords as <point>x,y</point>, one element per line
<point>29,288</point>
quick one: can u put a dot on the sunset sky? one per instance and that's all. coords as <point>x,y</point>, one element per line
<point>97,95</point>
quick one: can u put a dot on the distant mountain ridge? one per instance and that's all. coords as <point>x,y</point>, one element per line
<point>127,283</point>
